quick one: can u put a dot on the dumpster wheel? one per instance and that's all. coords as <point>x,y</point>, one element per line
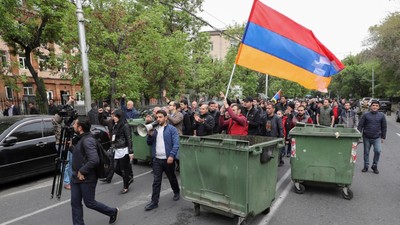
<point>240,220</point>
<point>347,193</point>
<point>196,209</point>
<point>299,188</point>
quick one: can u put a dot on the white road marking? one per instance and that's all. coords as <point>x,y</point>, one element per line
<point>39,186</point>
<point>277,203</point>
<point>60,203</point>
<point>35,212</point>
<point>398,134</point>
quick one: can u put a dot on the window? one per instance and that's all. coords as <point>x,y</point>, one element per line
<point>78,96</point>
<point>28,131</point>
<point>22,63</point>
<point>50,95</point>
<point>3,59</point>
<point>48,128</point>
<point>9,93</point>
<point>233,42</point>
<point>28,89</point>
<point>42,63</point>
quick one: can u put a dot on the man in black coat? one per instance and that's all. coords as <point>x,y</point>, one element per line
<point>10,110</point>
<point>84,178</point>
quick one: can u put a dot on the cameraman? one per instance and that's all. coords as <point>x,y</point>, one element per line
<point>57,121</point>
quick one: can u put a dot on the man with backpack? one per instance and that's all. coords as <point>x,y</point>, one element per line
<point>84,175</point>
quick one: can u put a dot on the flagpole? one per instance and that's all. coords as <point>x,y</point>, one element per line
<point>230,80</point>
<point>266,85</point>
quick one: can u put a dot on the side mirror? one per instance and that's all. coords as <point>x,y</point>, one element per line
<point>10,141</point>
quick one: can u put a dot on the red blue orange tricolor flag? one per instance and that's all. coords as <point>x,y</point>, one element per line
<point>277,96</point>
<point>276,45</point>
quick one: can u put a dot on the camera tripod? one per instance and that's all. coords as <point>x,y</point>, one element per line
<point>61,161</point>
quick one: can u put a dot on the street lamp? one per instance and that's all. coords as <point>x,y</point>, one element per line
<point>84,58</point>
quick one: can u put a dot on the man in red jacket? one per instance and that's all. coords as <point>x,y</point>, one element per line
<point>237,123</point>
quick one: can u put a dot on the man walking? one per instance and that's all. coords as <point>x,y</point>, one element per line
<point>84,177</point>
<point>164,140</point>
<point>373,127</point>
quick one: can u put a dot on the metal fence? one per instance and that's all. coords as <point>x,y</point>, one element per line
<point>22,104</point>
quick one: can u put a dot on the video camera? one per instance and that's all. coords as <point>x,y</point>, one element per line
<point>67,113</point>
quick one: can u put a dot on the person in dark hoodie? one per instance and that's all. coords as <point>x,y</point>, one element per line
<point>373,127</point>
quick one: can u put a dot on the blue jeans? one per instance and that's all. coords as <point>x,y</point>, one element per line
<point>86,191</point>
<point>377,150</point>
<point>68,169</point>
<point>160,166</point>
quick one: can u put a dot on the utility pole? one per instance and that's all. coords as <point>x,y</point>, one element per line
<point>373,83</point>
<point>84,58</point>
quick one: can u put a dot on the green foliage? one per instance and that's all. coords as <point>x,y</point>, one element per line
<point>355,80</point>
<point>32,24</point>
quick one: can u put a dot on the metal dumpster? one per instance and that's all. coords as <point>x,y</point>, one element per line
<point>141,149</point>
<point>230,175</point>
<point>323,155</point>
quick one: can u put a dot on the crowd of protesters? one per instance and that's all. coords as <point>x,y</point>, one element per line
<point>249,116</point>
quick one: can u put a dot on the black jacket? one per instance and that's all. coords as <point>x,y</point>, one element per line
<point>373,125</point>
<point>122,133</point>
<point>254,120</point>
<point>85,158</point>
<point>15,111</point>
<point>206,128</point>
<point>188,119</point>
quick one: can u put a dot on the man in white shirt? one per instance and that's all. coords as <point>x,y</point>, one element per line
<point>164,140</point>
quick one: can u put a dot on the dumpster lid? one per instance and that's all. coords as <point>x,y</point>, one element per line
<point>249,140</point>
<point>316,130</point>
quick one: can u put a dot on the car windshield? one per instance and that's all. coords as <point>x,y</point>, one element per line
<point>4,125</point>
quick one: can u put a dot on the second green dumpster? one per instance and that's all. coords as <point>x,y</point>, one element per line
<point>325,155</point>
<point>230,175</point>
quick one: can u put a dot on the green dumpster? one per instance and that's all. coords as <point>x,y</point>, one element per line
<point>323,155</point>
<point>230,175</point>
<point>140,147</point>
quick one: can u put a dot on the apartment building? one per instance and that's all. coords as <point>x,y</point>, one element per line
<point>13,67</point>
<point>220,44</point>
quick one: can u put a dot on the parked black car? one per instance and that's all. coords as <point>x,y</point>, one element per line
<point>28,146</point>
<point>398,113</point>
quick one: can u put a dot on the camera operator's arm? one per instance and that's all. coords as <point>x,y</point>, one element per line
<point>71,100</point>
<point>56,121</point>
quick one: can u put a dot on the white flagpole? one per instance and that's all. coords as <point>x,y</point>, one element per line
<point>230,80</point>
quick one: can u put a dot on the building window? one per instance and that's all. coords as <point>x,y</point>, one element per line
<point>28,89</point>
<point>3,59</point>
<point>22,63</point>
<point>50,95</point>
<point>9,93</point>
<point>42,63</point>
<point>234,42</point>
<point>78,96</point>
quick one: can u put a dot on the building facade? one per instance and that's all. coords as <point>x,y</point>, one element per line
<point>17,84</point>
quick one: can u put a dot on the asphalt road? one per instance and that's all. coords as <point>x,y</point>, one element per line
<point>376,199</point>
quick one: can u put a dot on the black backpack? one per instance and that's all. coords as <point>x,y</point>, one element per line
<point>104,166</point>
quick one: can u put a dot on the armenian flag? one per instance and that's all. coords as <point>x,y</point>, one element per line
<point>277,96</point>
<point>276,45</point>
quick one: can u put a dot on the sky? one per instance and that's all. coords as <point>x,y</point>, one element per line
<point>341,25</point>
